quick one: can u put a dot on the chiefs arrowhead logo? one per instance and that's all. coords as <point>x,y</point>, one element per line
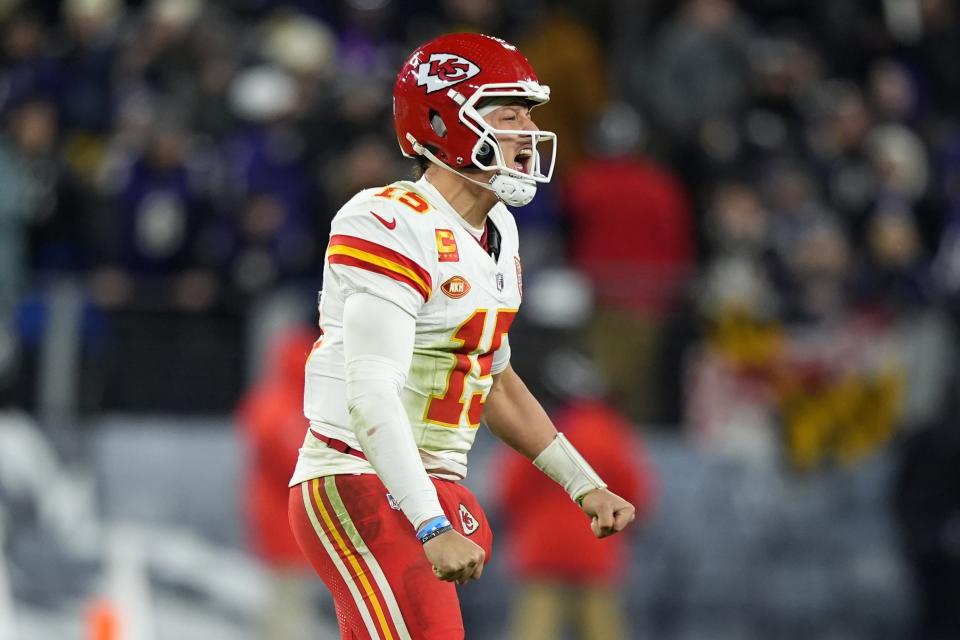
<point>469,523</point>
<point>444,70</point>
<point>455,287</point>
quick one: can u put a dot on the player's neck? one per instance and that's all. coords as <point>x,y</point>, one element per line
<point>471,201</point>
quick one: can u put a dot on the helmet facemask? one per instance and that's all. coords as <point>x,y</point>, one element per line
<point>514,187</point>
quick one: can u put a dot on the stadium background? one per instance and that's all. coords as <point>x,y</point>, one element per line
<point>753,232</point>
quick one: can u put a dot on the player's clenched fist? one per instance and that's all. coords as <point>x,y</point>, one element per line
<point>609,512</point>
<point>454,558</point>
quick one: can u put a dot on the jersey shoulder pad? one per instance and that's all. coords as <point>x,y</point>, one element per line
<point>385,212</point>
<point>375,233</point>
<point>402,196</point>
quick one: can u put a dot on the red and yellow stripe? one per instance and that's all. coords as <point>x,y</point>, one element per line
<point>363,254</point>
<point>367,582</point>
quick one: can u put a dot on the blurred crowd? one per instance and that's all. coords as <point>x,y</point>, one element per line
<point>754,228</point>
<point>772,180</point>
<point>760,198</point>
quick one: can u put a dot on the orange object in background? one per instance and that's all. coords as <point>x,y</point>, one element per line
<point>103,621</point>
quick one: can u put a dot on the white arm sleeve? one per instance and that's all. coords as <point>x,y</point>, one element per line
<point>378,341</point>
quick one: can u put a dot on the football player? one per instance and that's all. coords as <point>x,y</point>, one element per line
<point>421,283</point>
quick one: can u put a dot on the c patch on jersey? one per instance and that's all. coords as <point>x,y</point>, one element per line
<point>467,520</point>
<point>455,287</point>
<point>447,250</point>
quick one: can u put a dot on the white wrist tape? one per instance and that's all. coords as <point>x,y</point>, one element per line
<point>564,464</point>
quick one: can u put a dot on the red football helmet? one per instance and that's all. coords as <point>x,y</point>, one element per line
<point>435,110</point>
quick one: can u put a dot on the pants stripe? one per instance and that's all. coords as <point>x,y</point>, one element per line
<point>308,503</point>
<point>352,556</point>
<point>350,529</point>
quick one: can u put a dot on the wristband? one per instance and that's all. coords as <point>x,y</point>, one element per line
<point>564,464</point>
<point>435,533</point>
<point>432,528</point>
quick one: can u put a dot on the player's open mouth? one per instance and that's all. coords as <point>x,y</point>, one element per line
<point>522,159</point>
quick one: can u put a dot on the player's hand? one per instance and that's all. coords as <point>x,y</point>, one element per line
<point>454,558</point>
<point>609,512</point>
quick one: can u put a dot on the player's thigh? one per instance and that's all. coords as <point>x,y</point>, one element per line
<point>429,607</point>
<point>387,573</point>
<point>317,543</point>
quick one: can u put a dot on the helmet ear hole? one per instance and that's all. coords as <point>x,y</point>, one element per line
<point>437,124</point>
<point>485,153</point>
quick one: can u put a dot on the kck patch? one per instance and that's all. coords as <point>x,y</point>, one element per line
<point>456,287</point>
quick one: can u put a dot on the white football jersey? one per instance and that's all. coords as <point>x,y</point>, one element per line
<point>406,244</point>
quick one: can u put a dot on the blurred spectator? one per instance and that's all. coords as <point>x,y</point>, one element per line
<point>728,406</point>
<point>785,70</point>
<point>631,233</point>
<point>821,266</point>
<point>699,66</point>
<point>483,16</point>
<point>161,54</point>
<point>939,51</point>
<point>270,416</point>
<point>215,39</point>
<point>29,69</point>
<point>14,275</point>
<point>893,92</point>
<point>160,207</point>
<point>14,216</point>
<point>272,228</point>
<point>895,275</point>
<point>899,160</point>
<point>740,272</point>
<point>569,59</point>
<point>367,40</point>
<point>302,45</point>
<point>369,162</point>
<point>567,576</point>
<point>85,73</point>
<point>851,181</point>
<point>54,197</point>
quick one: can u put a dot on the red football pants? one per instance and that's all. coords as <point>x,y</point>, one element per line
<point>368,555</point>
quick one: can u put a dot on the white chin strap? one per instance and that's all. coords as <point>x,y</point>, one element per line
<point>511,190</point>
